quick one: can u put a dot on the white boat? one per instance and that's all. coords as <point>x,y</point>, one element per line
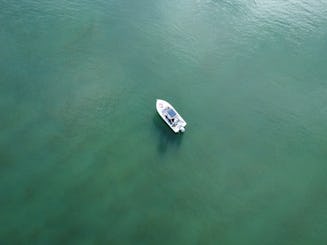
<point>170,116</point>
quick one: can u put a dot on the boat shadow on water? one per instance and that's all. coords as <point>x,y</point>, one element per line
<point>167,139</point>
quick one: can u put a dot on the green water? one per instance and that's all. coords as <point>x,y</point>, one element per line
<point>85,159</point>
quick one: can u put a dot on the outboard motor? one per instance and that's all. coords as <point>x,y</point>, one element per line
<point>182,129</point>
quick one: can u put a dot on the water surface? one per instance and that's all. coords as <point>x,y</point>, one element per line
<point>84,159</point>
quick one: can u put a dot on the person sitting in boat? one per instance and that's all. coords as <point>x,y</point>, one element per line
<point>170,120</point>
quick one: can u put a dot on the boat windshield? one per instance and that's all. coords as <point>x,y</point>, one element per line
<point>171,113</point>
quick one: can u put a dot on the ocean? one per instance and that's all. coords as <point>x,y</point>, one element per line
<point>85,158</point>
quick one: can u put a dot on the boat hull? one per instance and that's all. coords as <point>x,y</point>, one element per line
<point>178,126</point>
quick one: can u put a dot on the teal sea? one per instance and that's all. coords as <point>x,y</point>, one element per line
<point>85,159</point>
